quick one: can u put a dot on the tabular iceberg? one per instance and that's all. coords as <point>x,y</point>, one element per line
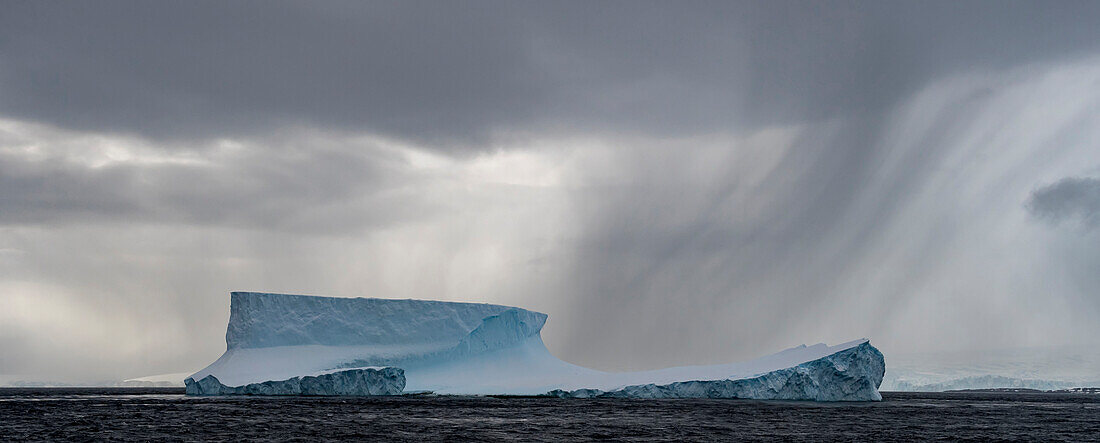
<point>479,349</point>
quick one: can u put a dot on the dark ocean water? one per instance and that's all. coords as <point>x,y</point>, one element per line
<point>166,414</point>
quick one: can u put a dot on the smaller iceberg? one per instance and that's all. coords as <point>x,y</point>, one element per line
<point>849,375</point>
<point>357,382</point>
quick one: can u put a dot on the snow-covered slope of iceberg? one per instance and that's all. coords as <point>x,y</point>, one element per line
<point>472,348</point>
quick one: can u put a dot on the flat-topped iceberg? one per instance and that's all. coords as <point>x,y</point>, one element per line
<point>479,349</point>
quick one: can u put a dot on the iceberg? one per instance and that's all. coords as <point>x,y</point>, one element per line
<point>848,375</point>
<point>484,349</point>
<point>357,382</point>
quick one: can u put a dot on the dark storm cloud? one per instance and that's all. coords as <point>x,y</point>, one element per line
<point>1071,198</point>
<point>452,72</point>
<point>183,69</point>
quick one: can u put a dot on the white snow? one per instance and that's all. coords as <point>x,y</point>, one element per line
<point>444,347</point>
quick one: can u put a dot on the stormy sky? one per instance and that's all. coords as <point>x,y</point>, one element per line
<point>672,182</point>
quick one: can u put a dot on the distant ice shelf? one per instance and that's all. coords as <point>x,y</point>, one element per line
<point>159,380</point>
<point>484,349</point>
<point>1040,367</point>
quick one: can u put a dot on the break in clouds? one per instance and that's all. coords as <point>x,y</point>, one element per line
<point>670,183</point>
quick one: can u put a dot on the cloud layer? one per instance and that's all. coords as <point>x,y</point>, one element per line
<point>453,74</point>
<point>671,184</point>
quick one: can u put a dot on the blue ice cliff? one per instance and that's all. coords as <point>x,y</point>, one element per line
<point>304,345</point>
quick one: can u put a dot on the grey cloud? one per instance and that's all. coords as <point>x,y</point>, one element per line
<point>194,69</point>
<point>1071,198</point>
<point>326,190</point>
<point>451,73</point>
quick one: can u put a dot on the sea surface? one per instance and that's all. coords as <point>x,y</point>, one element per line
<point>165,414</point>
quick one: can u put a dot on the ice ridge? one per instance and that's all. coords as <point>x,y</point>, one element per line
<point>351,382</point>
